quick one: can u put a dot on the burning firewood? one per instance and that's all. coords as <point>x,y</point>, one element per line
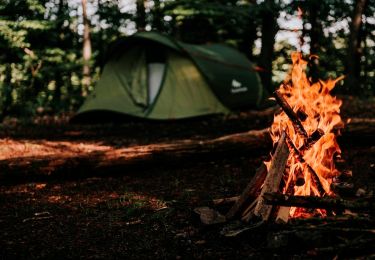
<point>295,119</point>
<point>301,115</point>
<point>299,156</point>
<point>291,114</point>
<point>304,129</point>
<point>249,193</point>
<point>311,140</point>
<point>273,179</point>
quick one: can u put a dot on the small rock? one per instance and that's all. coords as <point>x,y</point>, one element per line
<point>181,235</point>
<point>372,167</point>
<point>209,216</point>
<point>360,192</point>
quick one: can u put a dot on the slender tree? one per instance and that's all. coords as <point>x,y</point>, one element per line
<point>354,54</point>
<point>269,29</point>
<point>141,15</point>
<point>315,32</point>
<point>86,49</point>
<point>316,26</point>
<point>157,16</point>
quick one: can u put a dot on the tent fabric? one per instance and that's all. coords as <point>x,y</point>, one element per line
<point>193,99</point>
<point>220,65</point>
<point>236,83</point>
<point>194,79</point>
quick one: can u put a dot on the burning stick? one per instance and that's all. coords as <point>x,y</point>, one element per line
<point>299,156</point>
<point>311,140</point>
<point>249,192</point>
<point>248,213</point>
<point>295,118</point>
<point>291,114</point>
<point>301,115</point>
<point>317,202</point>
<point>273,179</point>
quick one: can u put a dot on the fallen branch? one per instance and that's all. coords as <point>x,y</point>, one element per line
<point>171,153</point>
<point>224,201</point>
<point>356,247</point>
<point>357,132</point>
<point>318,202</point>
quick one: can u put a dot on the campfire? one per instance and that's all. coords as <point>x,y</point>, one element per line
<point>302,164</point>
<point>296,182</point>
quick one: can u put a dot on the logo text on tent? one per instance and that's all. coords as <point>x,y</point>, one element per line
<point>237,87</point>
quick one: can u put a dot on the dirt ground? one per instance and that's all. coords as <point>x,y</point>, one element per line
<point>147,212</point>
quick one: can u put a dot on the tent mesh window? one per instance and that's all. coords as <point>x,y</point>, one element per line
<point>156,68</point>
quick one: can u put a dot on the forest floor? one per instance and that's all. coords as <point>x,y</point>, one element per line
<point>146,211</point>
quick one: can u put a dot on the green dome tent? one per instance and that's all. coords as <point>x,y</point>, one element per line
<point>149,75</point>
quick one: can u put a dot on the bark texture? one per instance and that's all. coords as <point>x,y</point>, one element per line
<point>353,66</point>
<point>86,49</point>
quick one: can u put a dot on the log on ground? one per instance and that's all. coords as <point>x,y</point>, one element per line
<point>255,142</point>
<point>251,142</point>
<point>278,199</point>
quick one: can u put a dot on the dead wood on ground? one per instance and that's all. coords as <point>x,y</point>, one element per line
<point>253,142</point>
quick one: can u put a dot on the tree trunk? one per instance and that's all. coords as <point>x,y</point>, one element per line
<point>157,18</point>
<point>141,15</point>
<point>86,49</point>
<point>315,33</point>
<point>248,39</point>
<point>316,27</point>
<point>58,74</point>
<point>269,30</point>
<point>6,93</point>
<point>353,67</point>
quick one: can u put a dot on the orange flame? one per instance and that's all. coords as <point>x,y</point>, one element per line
<point>322,112</point>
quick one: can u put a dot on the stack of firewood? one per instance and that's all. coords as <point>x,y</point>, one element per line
<point>262,198</point>
<point>254,201</point>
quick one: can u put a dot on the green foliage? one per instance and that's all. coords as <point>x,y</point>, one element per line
<point>202,21</point>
